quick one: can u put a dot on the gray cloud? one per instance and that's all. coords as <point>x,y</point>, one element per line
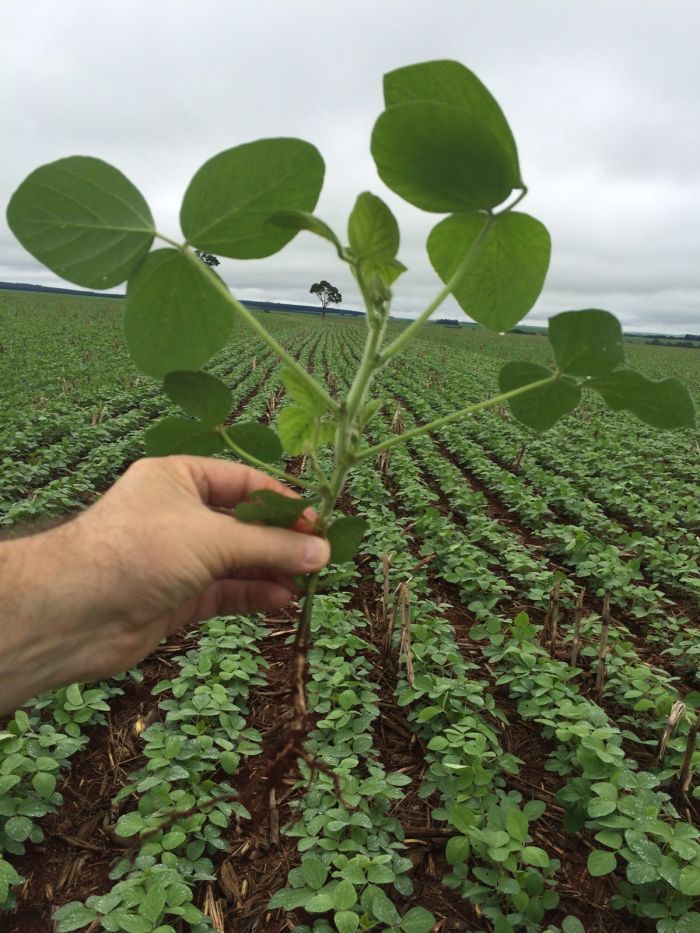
<point>602,99</point>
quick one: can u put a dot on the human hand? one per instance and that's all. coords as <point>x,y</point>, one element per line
<point>154,553</point>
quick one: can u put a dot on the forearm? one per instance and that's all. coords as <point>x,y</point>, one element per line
<point>41,645</point>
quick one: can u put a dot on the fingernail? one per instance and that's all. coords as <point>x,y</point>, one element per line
<point>315,551</point>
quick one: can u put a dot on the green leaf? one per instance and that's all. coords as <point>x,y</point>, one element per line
<point>313,871</point>
<point>230,199</point>
<point>516,824</point>
<point>82,219</point>
<point>534,809</point>
<point>129,824</point>
<point>290,898</point>
<point>417,920</point>
<point>441,158</point>
<point>383,909</point>
<point>18,828</point>
<point>257,440</point>
<point>200,395</point>
<point>461,816</point>
<point>689,881</point>
<point>271,508</point>
<point>344,895</point>
<point>533,855</point>
<point>599,806</point>
<point>571,924</point>
<point>177,315</point>
<point>302,220</point>
<point>665,405</point>
<point>601,863</point>
<point>153,905</point>
<point>44,783</point>
<point>452,83</point>
<point>320,903</point>
<point>457,850</point>
<point>541,408</point>
<point>306,395</point>
<point>173,839</point>
<point>345,536</point>
<point>175,435</point>
<point>372,230</point>
<point>586,343</point>
<point>73,916</point>
<point>507,273</point>
<point>346,921</point>
<point>298,428</point>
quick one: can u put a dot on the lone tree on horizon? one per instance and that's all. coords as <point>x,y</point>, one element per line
<point>326,294</point>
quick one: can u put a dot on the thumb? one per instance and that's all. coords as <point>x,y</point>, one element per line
<point>277,550</point>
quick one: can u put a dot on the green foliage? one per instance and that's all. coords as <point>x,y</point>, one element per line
<point>200,395</point>
<point>271,508</point>
<point>162,333</point>
<point>229,201</point>
<point>83,219</point>
<point>509,267</point>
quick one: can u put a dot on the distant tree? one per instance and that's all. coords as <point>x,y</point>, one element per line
<point>208,258</point>
<point>326,293</point>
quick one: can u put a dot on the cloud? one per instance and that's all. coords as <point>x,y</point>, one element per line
<point>602,99</point>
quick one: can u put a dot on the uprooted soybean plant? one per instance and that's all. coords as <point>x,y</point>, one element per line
<point>441,143</point>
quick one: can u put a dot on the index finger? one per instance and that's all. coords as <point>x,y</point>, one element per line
<point>223,485</point>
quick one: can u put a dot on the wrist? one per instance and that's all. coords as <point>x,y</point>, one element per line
<point>41,643</point>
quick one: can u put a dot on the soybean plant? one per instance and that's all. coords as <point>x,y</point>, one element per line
<point>443,144</point>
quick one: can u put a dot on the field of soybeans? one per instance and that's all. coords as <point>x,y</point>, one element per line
<point>505,681</point>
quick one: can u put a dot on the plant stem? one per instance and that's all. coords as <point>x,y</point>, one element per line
<point>261,465</point>
<point>276,347</point>
<point>452,283</point>
<point>454,416</point>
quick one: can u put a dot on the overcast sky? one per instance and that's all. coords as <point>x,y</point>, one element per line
<point>603,97</point>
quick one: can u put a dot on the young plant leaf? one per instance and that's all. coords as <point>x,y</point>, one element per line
<point>271,508</point>
<point>440,158</point>
<point>303,220</point>
<point>175,435</point>
<point>541,408</point>
<point>372,230</point>
<point>452,83</point>
<point>257,440</point>
<point>200,395</point>
<point>345,536</point>
<point>601,863</point>
<point>299,427</point>
<point>586,343</point>
<point>507,273</point>
<point>665,405</point>
<point>228,202</point>
<point>82,219</point>
<point>304,394</point>
<point>162,333</point>
<point>417,920</point>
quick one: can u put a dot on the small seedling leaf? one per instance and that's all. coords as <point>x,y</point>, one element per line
<point>230,199</point>
<point>541,408</point>
<point>175,435</point>
<point>271,508</point>
<point>257,440</point>
<point>162,333</point>
<point>665,405</point>
<point>372,230</point>
<point>82,219</point>
<point>441,158</point>
<point>508,268</point>
<point>586,343</point>
<point>304,394</point>
<point>345,536</point>
<point>417,920</point>
<point>200,395</point>
<point>601,863</point>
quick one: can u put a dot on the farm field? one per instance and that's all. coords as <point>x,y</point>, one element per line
<point>492,677</point>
